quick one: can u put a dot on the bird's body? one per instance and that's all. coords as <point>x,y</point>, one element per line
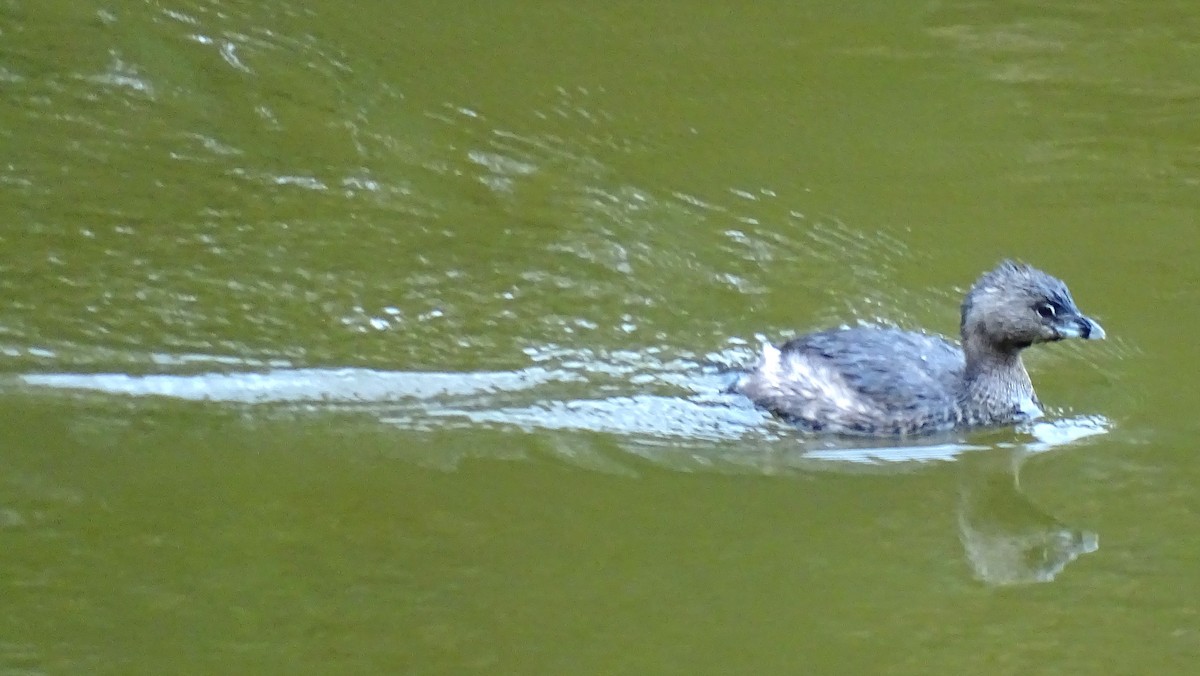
<point>885,382</point>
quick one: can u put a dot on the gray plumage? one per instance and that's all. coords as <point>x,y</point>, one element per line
<point>887,382</point>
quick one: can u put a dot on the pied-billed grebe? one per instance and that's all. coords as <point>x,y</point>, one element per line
<point>886,382</point>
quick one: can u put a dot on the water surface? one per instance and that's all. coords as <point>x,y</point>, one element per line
<point>393,340</point>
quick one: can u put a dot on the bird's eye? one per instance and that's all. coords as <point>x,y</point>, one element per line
<point>1046,310</point>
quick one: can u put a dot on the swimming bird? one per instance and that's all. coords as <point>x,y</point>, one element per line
<point>888,382</point>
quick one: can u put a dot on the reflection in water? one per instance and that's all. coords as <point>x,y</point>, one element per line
<point>1009,540</point>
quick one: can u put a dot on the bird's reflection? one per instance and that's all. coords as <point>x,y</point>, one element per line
<point>1007,539</point>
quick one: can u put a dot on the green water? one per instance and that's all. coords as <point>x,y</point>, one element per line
<point>379,337</point>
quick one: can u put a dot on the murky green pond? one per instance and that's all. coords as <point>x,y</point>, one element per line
<point>391,337</point>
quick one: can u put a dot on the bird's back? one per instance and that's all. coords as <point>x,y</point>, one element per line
<point>861,380</point>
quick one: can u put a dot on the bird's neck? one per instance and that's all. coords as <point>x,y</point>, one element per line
<point>996,380</point>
